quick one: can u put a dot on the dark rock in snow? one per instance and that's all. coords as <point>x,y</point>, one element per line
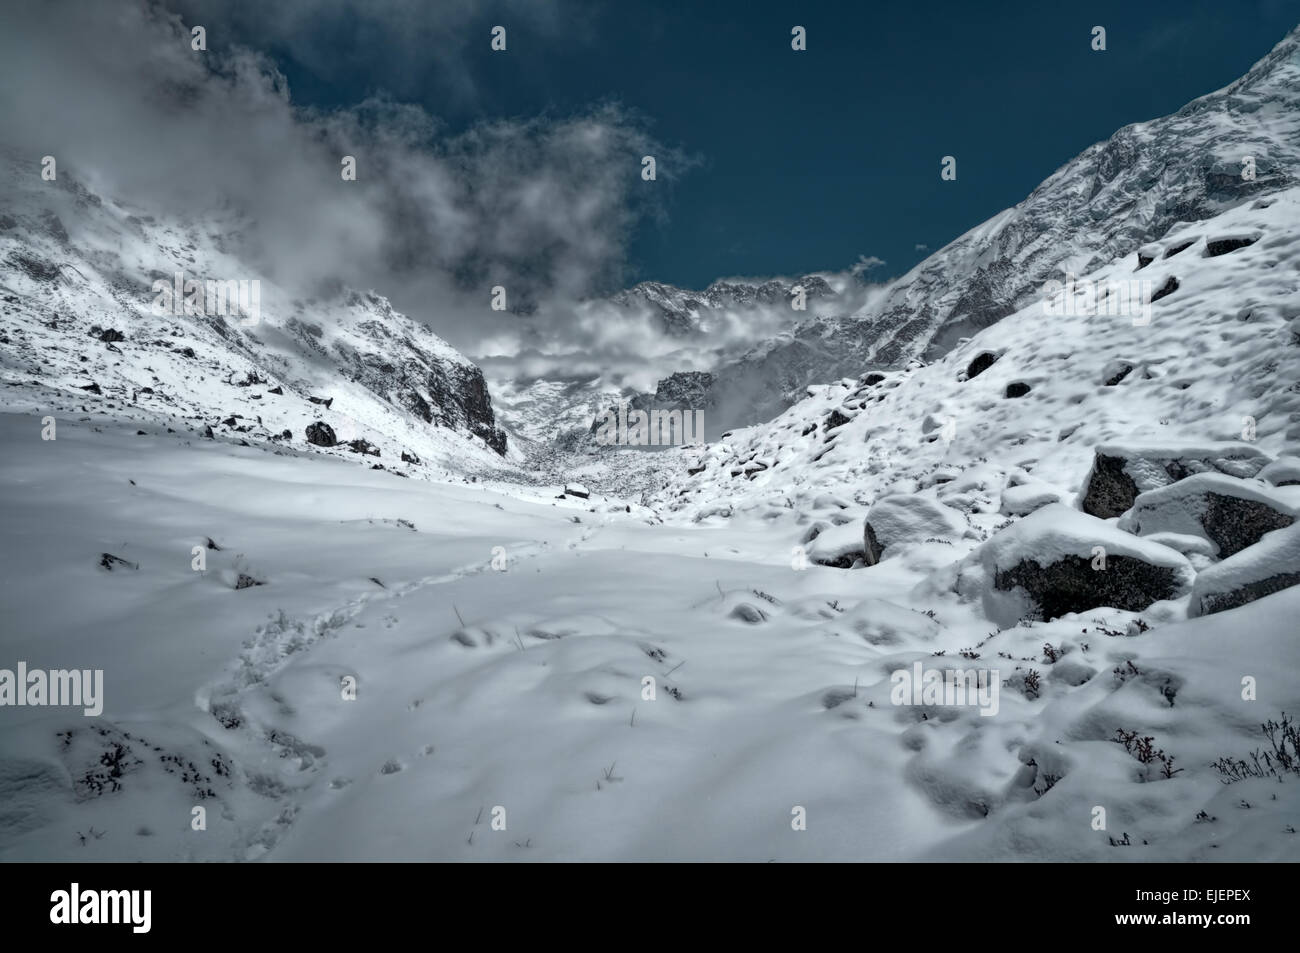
<point>1269,566</point>
<point>111,335</point>
<point>1229,512</point>
<point>1119,473</point>
<point>321,434</point>
<point>110,562</point>
<point>1058,560</point>
<point>980,363</point>
<point>1017,389</point>
<point>1165,290</point>
<point>1221,246</point>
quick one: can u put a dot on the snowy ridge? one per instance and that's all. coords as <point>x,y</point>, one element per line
<point>78,334</point>
<point>1104,204</point>
<point>1218,350</point>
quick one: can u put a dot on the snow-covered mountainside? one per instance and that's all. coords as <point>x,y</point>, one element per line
<point>685,312</point>
<point>1029,399</point>
<point>1114,197</point>
<point>80,332</point>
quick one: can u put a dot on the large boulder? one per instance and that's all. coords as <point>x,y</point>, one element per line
<point>321,434</point>
<point>1058,560</point>
<point>1120,473</point>
<point>1269,566</point>
<point>839,547</point>
<point>908,518</point>
<point>1231,513</point>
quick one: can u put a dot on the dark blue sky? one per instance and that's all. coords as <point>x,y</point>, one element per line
<point>808,160</point>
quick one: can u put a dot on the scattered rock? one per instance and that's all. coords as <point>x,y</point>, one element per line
<point>1115,371</point>
<point>111,335</point>
<point>1165,290</point>
<point>323,401</point>
<point>321,434</point>
<point>980,363</point>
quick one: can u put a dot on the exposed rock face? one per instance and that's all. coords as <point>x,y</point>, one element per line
<point>1269,566</point>
<point>1120,473</point>
<point>1229,512</point>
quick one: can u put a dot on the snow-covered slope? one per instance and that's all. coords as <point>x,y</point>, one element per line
<point>1114,197</point>
<point>79,332</point>
<point>1223,347</point>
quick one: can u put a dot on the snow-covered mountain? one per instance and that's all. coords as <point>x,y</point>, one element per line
<point>83,330</point>
<point>1114,197</point>
<point>687,312</point>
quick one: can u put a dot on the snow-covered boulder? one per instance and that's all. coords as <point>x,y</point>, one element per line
<point>576,489</point>
<point>839,547</point>
<point>1027,496</point>
<point>1284,471</point>
<point>1059,560</point>
<point>1120,473</point>
<point>908,518</point>
<point>1231,513</point>
<point>1269,566</point>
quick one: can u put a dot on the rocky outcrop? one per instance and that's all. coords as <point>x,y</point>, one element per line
<point>1231,513</point>
<point>1269,566</point>
<point>1120,473</point>
<point>1057,561</point>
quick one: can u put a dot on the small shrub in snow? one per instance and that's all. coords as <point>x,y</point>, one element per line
<point>1284,758</point>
